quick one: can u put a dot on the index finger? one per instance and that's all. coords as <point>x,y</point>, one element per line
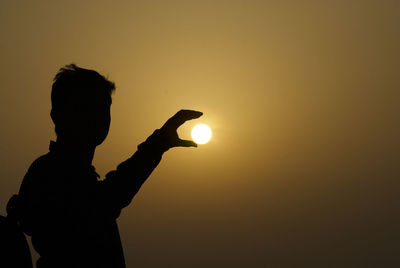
<point>181,117</point>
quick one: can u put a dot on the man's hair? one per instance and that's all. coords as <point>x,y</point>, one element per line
<point>73,82</point>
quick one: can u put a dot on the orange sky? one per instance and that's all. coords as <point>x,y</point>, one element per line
<point>302,97</point>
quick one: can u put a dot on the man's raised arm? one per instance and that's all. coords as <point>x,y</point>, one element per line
<point>121,185</point>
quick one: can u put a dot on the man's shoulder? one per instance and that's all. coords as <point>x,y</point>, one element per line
<point>42,164</point>
<point>38,171</point>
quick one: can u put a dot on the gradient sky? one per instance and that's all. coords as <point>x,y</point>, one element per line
<point>302,97</point>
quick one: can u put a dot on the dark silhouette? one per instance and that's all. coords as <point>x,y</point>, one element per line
<point>70,214</point>
<point>14,248</point>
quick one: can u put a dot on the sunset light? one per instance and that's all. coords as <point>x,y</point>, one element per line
<point>201,134</point>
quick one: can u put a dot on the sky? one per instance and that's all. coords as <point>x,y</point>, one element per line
<point>302,98</point>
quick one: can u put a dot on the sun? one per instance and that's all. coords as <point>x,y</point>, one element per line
<point>201,134</point>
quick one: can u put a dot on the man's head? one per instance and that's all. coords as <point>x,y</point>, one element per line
<point>81,101</point>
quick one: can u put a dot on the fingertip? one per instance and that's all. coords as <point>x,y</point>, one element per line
<point>198,114</point>
<point>192,144</point>
<point>187,143</point>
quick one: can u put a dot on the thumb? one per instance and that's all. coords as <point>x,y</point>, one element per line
<point>186,143</point>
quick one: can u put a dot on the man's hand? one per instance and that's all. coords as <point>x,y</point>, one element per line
<point>169,129</point>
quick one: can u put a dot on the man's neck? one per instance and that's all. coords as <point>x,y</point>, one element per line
<point>81,152</point>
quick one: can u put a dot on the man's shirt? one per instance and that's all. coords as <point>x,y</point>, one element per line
<point>71,215</point>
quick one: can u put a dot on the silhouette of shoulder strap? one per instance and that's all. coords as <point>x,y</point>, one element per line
<point>14,249</point>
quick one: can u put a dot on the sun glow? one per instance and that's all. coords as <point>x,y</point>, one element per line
<point>201,134</point>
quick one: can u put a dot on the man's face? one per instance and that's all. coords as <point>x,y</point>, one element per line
<point>87,118</point>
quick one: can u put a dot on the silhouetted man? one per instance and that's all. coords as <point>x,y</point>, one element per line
<point>70,214</point>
